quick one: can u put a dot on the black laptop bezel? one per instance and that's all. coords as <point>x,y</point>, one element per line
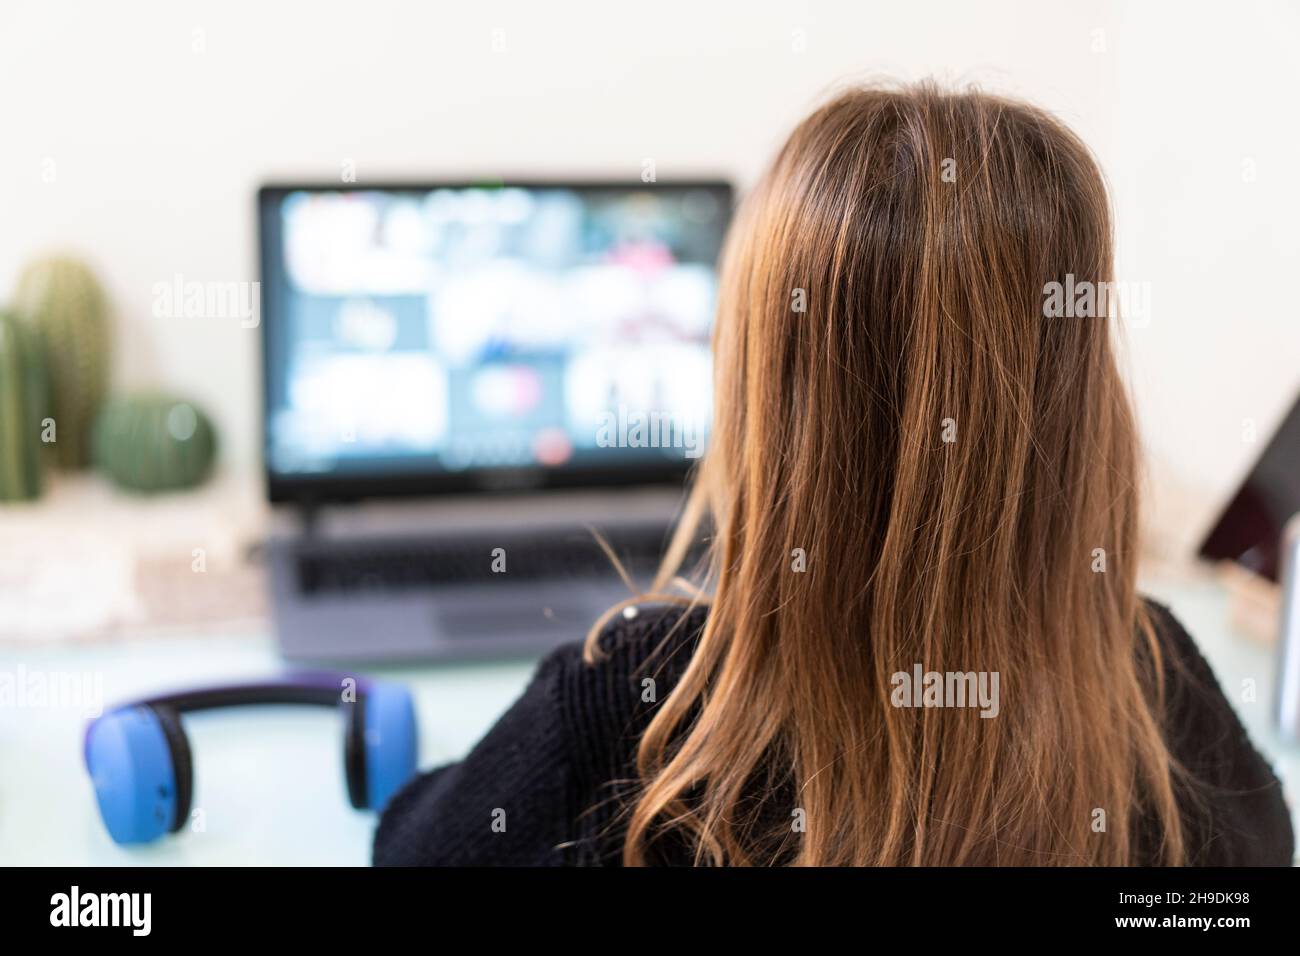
<point>316,489</point>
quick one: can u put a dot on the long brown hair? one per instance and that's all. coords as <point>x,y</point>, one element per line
<point>911,464</point>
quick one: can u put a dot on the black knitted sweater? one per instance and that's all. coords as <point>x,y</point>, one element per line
<point>550,783</point>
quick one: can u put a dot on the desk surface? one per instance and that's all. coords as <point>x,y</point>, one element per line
<point>270,786</point>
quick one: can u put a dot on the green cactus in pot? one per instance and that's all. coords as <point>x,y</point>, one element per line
<point>23,407</point>
<point>64,304</point>
<point>154,442</point>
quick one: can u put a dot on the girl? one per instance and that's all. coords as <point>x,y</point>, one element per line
<point>918,466</point>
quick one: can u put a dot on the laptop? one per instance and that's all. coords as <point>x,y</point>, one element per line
<point>463,383</point>
<point>1250,529</point>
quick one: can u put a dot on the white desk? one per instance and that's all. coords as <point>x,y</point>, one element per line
<point>268,780</point>
<point>270,784</point>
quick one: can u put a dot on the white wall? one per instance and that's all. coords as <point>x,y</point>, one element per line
<point>157,147</point>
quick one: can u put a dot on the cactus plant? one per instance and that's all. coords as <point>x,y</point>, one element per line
<point>63,301</point>
<point>22,408</point>
<point>154,442</point>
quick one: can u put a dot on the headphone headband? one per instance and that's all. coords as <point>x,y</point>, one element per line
<point>315,689</point>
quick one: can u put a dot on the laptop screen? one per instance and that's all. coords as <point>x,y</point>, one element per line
<point>446,337</point>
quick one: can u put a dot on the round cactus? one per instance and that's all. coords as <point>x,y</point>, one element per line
<point>22,410</point>
<point>153,442</point>
<point>63,301</point>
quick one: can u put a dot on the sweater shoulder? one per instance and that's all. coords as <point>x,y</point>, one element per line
<point>636,660</point>
<point>649,632</point>
<point>1236,814</point>
<point>606,703</point>
<point>555,762</point>
<point>657,637</point>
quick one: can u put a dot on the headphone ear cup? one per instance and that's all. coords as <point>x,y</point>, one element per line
<point>182,763</point>
<point>383,742</point>
<point>354,751</point>
<point>392,742</point>
<point>137,758</point>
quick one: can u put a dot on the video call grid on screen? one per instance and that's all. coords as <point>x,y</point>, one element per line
<point>452,332</point>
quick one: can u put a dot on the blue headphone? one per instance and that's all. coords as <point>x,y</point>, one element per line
<point>140,762</point>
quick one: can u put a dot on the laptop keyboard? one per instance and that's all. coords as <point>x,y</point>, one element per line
<point>397,564</point>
